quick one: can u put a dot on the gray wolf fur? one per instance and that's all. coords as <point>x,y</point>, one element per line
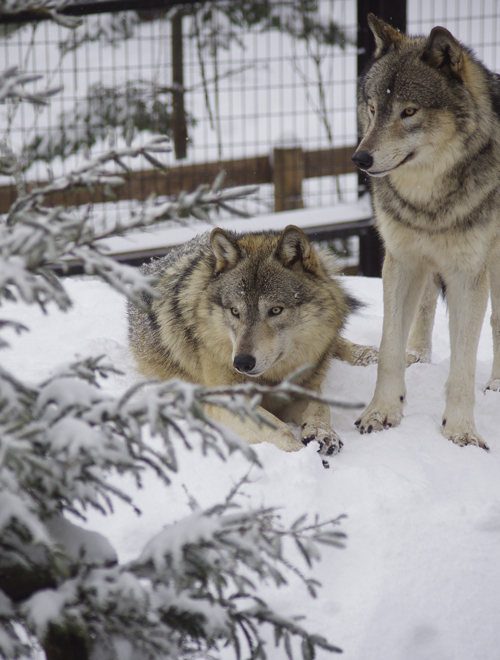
<point>429,115</point>
<point>233,308</point>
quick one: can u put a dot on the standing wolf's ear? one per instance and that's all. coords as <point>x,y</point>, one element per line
<point>444,52</point>
<point>384,34</point>
<point>295,250</point>
<point>226,250</point>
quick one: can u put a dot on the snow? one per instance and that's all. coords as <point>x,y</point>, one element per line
<point>78,543</point>
<point>172,235</point>
<point>419,577</point>
<point>46,605</point>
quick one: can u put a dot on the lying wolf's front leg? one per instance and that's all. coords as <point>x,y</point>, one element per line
<point>467,298</point>
<point>251,432</point>
<point>316,427</point>
<point>356,354</point>
<point>403,285</point>
<point>313,418</point>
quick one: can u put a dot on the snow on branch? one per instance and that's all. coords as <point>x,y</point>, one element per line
<point>133,107</point>
<point>42,8</point>
<point>36,238</point>
<point>12,87</point>
<point>193,589</point>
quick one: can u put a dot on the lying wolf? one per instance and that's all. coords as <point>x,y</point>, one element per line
<point>429,114</point>
<point>257,306</point>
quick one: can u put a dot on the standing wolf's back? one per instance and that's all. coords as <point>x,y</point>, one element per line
<point>187,265</point>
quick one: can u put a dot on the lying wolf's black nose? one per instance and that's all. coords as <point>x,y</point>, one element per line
<point>244,363</point>
<point>363,160</point>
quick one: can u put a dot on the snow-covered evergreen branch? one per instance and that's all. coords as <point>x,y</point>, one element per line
<point>189,590</point>
<point>192,590</point>
<point>36,237</point>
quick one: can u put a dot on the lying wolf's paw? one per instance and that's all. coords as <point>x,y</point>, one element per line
<point>322,433</point>
<point>364,355</point>
<point>287,442</point>
<point>462,439</point>
<point>378,420</point>
<point>493,385</point>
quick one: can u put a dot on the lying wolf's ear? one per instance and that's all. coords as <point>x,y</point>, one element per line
<point>295,250</point>
<point>384,34</point>
<point>226,250</point>
<point>444,52</point>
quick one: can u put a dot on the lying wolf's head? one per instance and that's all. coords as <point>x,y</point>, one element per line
<point>417,100</point>
<point>273,295</point>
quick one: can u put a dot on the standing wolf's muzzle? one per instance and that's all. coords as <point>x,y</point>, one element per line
<point>363,160</point>
<point>244,363</point>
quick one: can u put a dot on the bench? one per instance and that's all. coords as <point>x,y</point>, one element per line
<point>321,224</point>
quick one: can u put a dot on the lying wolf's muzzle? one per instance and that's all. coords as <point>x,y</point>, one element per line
<point>244,363</point>
<point>363,160</point>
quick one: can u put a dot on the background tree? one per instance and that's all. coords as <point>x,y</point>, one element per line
<point>145,106</point>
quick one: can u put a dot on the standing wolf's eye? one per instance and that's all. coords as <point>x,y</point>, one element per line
<point>408,112</point>
<point>371,108</point>
<point>235,312</point>
<point>274,311</point>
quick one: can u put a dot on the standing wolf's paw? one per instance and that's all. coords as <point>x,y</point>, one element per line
<point>464,438</point>
<point>414,356</point>
<point>493,385</point>
<point>322,433</point>
<point>375,419</point>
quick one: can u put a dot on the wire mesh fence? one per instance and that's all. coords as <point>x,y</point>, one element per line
<point>249,84</point>
<point>237,86</point>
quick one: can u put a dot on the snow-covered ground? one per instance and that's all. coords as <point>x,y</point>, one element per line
<point>419,578</point>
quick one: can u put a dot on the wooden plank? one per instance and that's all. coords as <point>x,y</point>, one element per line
<point>329,162</point>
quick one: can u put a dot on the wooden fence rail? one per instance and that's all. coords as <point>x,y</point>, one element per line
<point>287,170</point>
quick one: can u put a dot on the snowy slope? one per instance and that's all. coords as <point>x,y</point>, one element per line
<point>419,578</point>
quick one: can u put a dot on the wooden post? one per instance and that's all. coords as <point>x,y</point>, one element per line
<point>371,249</point>
<point>179,127</point>
<point>288,172</point>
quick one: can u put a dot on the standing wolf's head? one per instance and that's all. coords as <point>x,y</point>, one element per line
<point>418,101</point>
<point>274,295</point>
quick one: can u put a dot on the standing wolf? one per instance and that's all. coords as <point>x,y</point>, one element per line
<point>257,306</point>
<point>429,114</point>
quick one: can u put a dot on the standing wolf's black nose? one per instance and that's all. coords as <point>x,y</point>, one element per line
<point>363,160</point>
<point>244,363</point>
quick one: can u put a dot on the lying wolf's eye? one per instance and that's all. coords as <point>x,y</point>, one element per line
<point>408,112</point>
<point>274,311</point>
<point>235,312</point>
<point>371,108</point>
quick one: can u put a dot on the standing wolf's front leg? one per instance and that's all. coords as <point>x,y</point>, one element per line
<point>467,298</point>
<point>419,347</point>
<point>494,267</point>
<point>403,283</point>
